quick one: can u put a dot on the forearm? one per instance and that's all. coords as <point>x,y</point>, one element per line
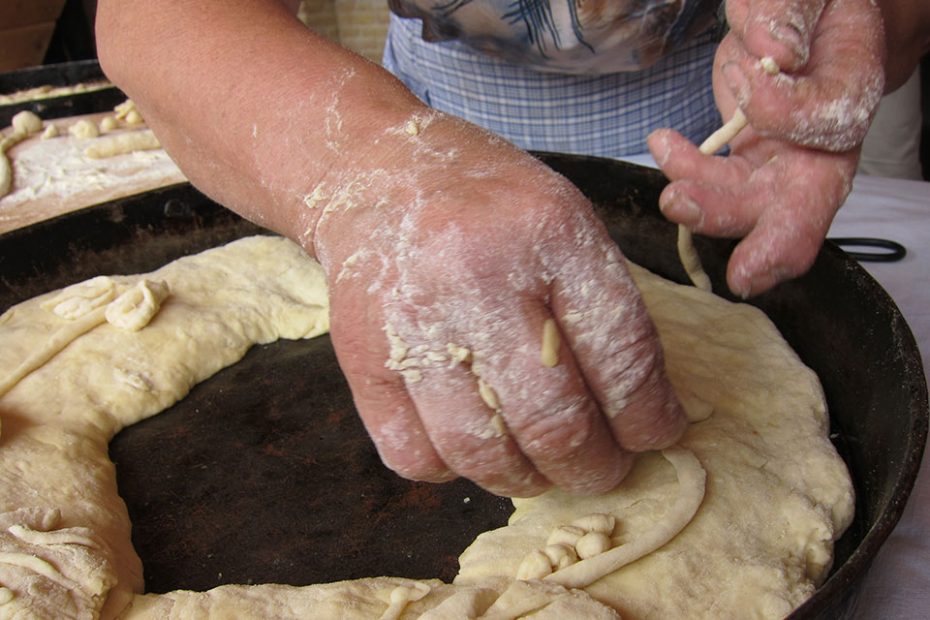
<point>907,38</point>
<point>255,108</point>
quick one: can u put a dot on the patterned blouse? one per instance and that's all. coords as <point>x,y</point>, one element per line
<point>565,36</point>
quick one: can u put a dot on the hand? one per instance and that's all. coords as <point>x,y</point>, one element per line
<point>445,249</point>
<point>445,257</point>
<point>789,172</point>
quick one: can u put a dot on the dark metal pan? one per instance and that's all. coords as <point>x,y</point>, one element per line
<point>264,474</point>
<point>63,74</point>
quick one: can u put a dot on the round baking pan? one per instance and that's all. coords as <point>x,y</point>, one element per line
<point>62,74</point>
<point>264,473</point>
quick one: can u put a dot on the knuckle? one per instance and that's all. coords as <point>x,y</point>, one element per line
<point>659,424</point>
<point>414,464</point>
<point>629,371</point>
<point>486,454</point>
<point>558,431</point>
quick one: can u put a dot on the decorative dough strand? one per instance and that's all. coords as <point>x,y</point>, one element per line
<point>111,146</point>
<point>714,142</point>
<point>691,485</point>
<point>91,303</point>
<point>686,252</point>
<point>62,337</point>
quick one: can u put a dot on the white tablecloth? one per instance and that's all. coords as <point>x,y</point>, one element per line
<point>897,586</point>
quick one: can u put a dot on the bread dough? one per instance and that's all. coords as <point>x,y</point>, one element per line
<point>24,124</point>
<point>51,176</point>
<point>777,493</point>
<point>48,91</point>
<point>58,420</point>
<point>111,146</point>
<point>84,129</point>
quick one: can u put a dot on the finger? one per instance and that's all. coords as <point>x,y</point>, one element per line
<point>382,401</point>
<point>711,209</point>
<point>829,103</point>
<point>778,249</point>
<point>679,158</point>
<point>714,205</point>
<point>779,29</point>
<point>548,409</point>
<point>804,195</point>
<point>470,433</point>
<point>616,347</point>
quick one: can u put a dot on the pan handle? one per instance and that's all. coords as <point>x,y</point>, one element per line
<point>877,250</point>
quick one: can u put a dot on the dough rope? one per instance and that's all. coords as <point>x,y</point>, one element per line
<point>61,338</point>
<point>131,310</point>
<point>686,250</point>
<point>24,124</point>
<point>691,484</point>
<point>714,142</point>
<point>111,146</point>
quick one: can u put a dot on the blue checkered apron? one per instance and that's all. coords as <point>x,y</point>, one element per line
<point>608,115</point>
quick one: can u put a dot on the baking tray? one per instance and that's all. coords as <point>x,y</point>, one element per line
<point>62,74</point>
<point>264,473</point>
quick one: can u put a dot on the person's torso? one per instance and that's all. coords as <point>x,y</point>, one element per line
<point>566,36</point>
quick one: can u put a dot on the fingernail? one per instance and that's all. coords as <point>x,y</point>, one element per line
<point>740,283</point>
<point>660,148</point>
<point>684,210</point>
<point>737,83</point>
<point>792,39</point>
<point>744,293</point>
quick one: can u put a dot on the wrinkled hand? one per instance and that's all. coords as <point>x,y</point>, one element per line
<point>789,172</point>
<point>445,256</point>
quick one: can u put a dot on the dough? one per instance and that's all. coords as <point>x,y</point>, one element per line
<point>777,494</point>
<point>24,123</point>
<point>48,91</point>
<point>58,420</point>
<point>111,146</point>
<point>84,130</point>
<point>53,175</point>
<point>777,497</point>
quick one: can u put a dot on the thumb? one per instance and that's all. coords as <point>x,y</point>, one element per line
<point>780,29</point>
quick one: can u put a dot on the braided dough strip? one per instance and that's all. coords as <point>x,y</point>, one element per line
<point>692,481</point>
